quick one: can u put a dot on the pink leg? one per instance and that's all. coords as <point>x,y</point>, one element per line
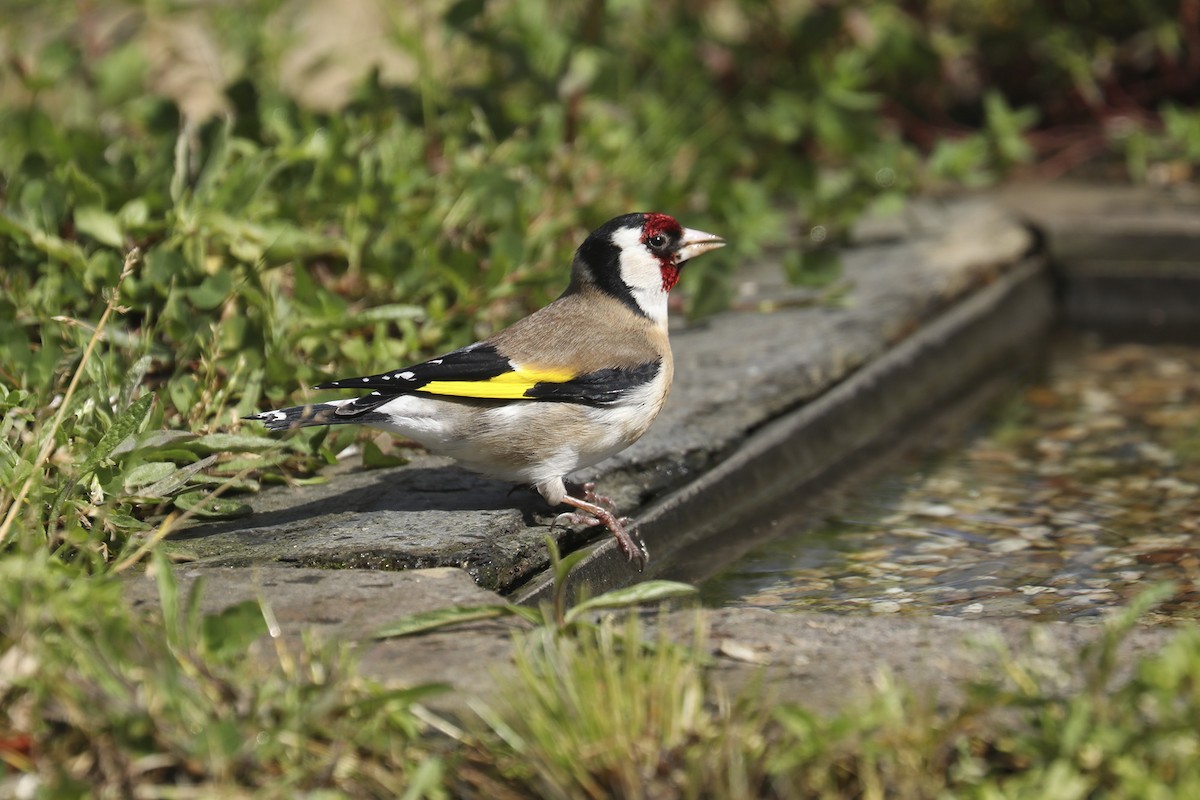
<point>588,492</point>
<point>594,514</point>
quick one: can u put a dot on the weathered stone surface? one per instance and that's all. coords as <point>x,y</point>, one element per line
<point>823,661</point>
<point>426,514</point>
<point>1127,258</point>
<point>351,605</point>
<point>348,604</point>
<point>1112,229</point>
<point>917,285</point>
<point>734,373</point>
<point>827,661</point>
<point>961,358</point>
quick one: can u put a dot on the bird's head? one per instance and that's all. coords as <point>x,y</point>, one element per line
<point>637,258</point>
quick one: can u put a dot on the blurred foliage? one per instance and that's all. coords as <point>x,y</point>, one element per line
<point>97,702</point>
<point>321,190</point>
<point>611,712</point>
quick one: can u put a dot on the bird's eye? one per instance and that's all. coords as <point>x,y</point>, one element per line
<point>657,240</point>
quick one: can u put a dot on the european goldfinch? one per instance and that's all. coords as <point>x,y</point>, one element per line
<point>562,389</point>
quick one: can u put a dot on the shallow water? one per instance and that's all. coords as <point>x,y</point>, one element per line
<point>1076,493</point>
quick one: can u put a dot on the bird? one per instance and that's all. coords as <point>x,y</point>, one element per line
<point>573,383</point>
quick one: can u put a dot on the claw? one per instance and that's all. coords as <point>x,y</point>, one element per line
<point>591,513</point>
<point>588,492</point>
<point>574,518</point>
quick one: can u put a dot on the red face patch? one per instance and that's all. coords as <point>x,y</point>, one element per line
<point>661,223</point>
<point>665,225</point>
<point>670,275</point>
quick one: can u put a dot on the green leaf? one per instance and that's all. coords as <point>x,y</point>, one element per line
<point>385,313</point>
<point>175,479</point>
<point>650,591</point>
<point>134,377</point>
<point>206,507</point>
<point>100,225</point>
<point>126,523</point>
<point>441,618</point>
<point>181,175</point>
<point>151,440</point>
<point>533,616</point>
<point>135,213</point>
<point>427,781</point>
<point>122,428</point>
<point>168,593</point>
<point>11,229</point>
<point>233,442</point>
<point>407,696</point>
<point>232,482</point>
<point>252,461</point>
<point>563,566</point>
<point>148,473</point>
<point>231,632</point>
<point>374,458</point>
<point>212,292</point>
<point>463,12</point>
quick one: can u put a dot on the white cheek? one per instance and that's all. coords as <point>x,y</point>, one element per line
<point>642,273</point>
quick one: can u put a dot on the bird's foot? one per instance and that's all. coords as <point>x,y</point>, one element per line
<point>590,513</point>
<point>588,492</point>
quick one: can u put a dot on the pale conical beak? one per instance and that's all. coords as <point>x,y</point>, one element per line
<point>695,243</point>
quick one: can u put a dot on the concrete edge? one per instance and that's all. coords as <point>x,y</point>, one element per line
<point>1126,259</point>
<point>798,451</point>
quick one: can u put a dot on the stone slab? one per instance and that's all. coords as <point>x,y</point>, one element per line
<point>735,372</point>
<point>823,661</point>
<point>351,605</point>
<point>1127,258</point>
<point>1107,229</point>
<point>827,662</point>
<point>969,349</point>
<point>745,379</point>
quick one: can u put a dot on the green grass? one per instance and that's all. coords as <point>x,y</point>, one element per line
<point>96,701</point>
<point>117,705</point>
<point>206,209</point>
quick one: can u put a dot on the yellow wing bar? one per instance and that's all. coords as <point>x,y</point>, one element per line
<point>506,386</point>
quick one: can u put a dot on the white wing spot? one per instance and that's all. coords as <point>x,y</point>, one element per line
<point>408,376</point>
<point>387,377</point>
<point>436,361</point>
<point>366,380</point>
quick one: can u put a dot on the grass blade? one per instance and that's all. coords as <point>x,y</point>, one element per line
<point>131,260</point>
<point>650,591</point>
<point>441,618</point>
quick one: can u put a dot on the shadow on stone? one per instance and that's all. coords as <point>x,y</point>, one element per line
<point>425,514</point>
<point>399,491</point>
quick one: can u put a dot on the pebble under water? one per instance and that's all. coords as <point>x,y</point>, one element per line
<point>1079,492</point>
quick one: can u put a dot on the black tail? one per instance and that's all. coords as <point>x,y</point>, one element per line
<point>302,417</point>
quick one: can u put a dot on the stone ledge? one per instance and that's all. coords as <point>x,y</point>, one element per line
<point>1127,259</point>
<point>349,606</point>
<point>822,661</point>
<point>735,373</point>
<point>797,453</point>
<point>941,285</point>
